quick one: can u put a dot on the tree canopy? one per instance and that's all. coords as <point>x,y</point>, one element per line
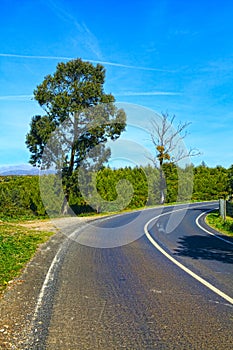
<point>70,95</point>
<point>80,112</point>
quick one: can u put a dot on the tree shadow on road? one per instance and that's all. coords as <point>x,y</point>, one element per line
<point>207,248</point>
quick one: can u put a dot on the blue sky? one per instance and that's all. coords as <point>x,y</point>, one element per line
<point>165,55</point>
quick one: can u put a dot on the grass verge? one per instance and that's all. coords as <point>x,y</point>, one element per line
<point>17,245</point>
<point>215,221</point>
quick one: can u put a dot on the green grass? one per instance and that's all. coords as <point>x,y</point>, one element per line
<point>214,220</point>
<point>16,219</point>
<point>17,246</point>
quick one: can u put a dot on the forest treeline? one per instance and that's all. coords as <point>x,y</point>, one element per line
<point>20,196</point>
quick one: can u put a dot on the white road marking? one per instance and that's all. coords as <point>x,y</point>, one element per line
<point>49,277</point>
<point>207,231</point>
<point>51,272</point>
<point>181,266</point>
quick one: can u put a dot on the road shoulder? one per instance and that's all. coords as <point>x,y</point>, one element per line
<point>18,302</point>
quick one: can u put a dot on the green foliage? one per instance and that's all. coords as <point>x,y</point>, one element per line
<point>113,190</point>
<point>153,183</point>
<point>171,178</point>
<point>75,85</point>
<point>36,139</point>
<point>218,223</point>
<point>108,180</point>
<point>20,197</point>
<point>82,114</point>
<point>210,183</point>
<point>109,190</point>
<point>17,246</point>
<point>52,193</point>
<point>230,182</point>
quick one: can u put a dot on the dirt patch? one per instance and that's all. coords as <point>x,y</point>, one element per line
<point>54,225</point>
<point>17,304</point>
<point>39,225</point>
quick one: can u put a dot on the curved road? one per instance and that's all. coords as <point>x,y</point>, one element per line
<point>100,294</point>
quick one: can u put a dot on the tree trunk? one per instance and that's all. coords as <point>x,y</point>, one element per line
<point>162,184</point>
<point>65,205</point>
<point>162,196</point>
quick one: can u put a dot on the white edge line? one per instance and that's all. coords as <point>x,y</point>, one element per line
<point>50,273</point>
<point>48,278</point>
<point>109,217</point>
<point>207,231</point>
<point>176,262</point>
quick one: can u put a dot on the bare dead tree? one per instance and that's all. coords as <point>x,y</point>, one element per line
<point>168,143</point>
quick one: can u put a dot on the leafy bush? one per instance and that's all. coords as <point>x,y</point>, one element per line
<point>20,196</point>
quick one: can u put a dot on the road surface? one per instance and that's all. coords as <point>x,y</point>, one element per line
<point>102,292</point>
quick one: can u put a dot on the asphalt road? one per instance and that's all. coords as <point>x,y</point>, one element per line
<point>109,287</point>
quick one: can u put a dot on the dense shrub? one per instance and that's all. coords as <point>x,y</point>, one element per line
<point>20,196</point>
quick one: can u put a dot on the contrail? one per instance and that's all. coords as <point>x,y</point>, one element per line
<point>148,93</point>
<point>92,61</point>
<point>16,97</point>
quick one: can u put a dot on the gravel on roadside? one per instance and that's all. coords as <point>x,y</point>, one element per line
<point>17,304</point>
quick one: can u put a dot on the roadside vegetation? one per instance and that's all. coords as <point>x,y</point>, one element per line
<point>20,201</point>
<point>74,102</point>
<point>17,245</point>
<point>215,221</point>
<point>20,197</point>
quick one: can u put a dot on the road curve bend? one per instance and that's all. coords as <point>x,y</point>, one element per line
<point>105,292</point>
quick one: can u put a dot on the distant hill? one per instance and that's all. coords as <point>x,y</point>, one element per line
<point>20,170</point>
